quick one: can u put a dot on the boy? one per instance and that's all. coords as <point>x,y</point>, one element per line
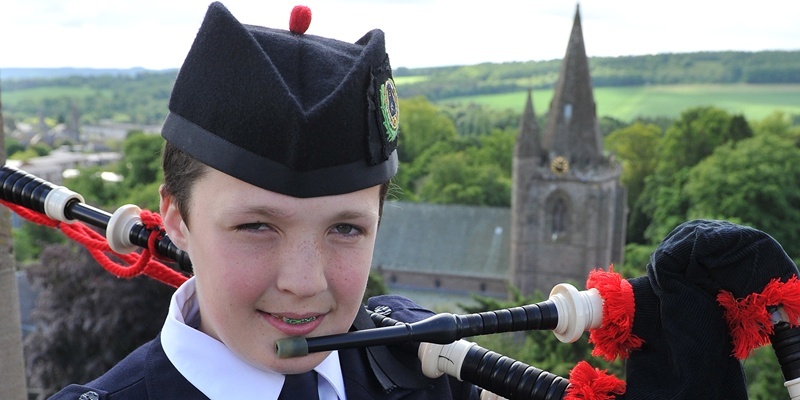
<point>280,148</point>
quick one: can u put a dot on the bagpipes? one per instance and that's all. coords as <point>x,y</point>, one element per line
<point>127,229</point>
<point>714,292</point>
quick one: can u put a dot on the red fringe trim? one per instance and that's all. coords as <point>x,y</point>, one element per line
<point>614,338</point>
<point>749,321</point>
<point>587,383</point>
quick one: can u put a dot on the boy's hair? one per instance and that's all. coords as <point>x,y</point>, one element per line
<point>181,171</point>
<point>180,174</point>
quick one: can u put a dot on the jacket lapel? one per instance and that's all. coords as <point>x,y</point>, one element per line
<point>375,372</point>
<point>163,379</point>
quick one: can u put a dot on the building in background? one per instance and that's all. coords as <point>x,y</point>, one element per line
<point>439,255</point>
<point>568,212</point>
<point>568,207</point>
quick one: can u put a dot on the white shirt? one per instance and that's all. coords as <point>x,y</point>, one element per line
<point>216,371</point>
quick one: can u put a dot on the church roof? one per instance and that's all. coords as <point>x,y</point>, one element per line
<point>572,129</point>
<point>444,239</point>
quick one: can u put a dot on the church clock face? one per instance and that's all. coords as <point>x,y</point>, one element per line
<point>559,165</point>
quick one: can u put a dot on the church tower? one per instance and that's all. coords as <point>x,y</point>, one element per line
<point>568,211</point>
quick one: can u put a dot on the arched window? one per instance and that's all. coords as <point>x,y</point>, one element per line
<point>559,225</point>
<point>558,216</point>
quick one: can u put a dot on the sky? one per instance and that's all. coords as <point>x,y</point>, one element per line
<point>157,34</point>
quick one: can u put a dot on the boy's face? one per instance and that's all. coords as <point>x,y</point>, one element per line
<point>269,266</point>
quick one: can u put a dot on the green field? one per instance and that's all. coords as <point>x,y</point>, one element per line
<point>406,80</point>
<point>623,103</point>
<point>39,94</point>
<point>627,103</point>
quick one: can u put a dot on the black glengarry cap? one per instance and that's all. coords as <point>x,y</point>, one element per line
<point>296,114</point>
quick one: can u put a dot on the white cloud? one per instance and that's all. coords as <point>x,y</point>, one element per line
<point>157,34</point>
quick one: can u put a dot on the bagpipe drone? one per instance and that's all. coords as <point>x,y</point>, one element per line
<point>714,291</point>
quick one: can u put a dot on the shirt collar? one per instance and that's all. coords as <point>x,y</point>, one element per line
<point>215,370</point>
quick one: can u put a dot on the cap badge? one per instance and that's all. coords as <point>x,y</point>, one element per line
<point>390,109</point>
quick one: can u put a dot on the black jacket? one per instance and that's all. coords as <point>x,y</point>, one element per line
<point>374,373</point>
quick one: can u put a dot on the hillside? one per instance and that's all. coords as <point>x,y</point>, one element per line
<point>49,73</point>
<point>625,87</point>
<point>767,67</point>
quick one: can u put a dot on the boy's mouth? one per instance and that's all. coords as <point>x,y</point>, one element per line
<point>294,321</point>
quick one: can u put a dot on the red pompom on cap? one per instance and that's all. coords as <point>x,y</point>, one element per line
<point>300,19</point>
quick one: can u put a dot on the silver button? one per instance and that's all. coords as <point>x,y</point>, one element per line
<point>90,395</point>
<point>383,310</point>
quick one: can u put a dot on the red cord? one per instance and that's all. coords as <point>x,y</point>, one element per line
<point>97,245</point>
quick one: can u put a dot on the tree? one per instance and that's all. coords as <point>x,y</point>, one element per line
<point>423,125</point>
<point>87,319</point>
<point>495,148</point>
<point>764,377</point>
<point>13,146</point>
<point>140,167</point>
<point>778,124</point>
<point>636,147</point>
<point>693,137</point>
<point>471,171</point>
<point>754,182</point>
<point>447,168</point>
<point>454,180</point>
<point>31,238</point>
<point>141,159</point>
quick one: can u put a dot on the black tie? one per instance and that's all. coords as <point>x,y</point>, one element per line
<point>300,387</point>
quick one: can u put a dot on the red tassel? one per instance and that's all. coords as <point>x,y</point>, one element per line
<point>786,294</point>
<point>300,19</point>
<point>614,338</point>
<point>749,322</point>
<point>587,383</point>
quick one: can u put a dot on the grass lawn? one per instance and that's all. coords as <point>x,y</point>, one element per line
<point>627,103</point>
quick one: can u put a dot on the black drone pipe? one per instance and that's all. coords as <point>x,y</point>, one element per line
<point>567,312</point>
<point>124,229</point>
<point>484,368</point>
<point>441,328</point>
<point>785,341</point>
<point>491,371</point>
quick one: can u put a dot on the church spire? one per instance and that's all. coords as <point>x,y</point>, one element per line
<point>528,142</point>
<point>572,129</point>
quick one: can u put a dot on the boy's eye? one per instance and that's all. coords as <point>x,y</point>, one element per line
<point>346,229</point>
<point>253,226</point>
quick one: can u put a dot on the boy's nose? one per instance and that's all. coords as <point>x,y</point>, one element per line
<point>302,270</point>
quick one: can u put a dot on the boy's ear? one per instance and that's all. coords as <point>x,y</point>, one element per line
<point>173,220</point>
